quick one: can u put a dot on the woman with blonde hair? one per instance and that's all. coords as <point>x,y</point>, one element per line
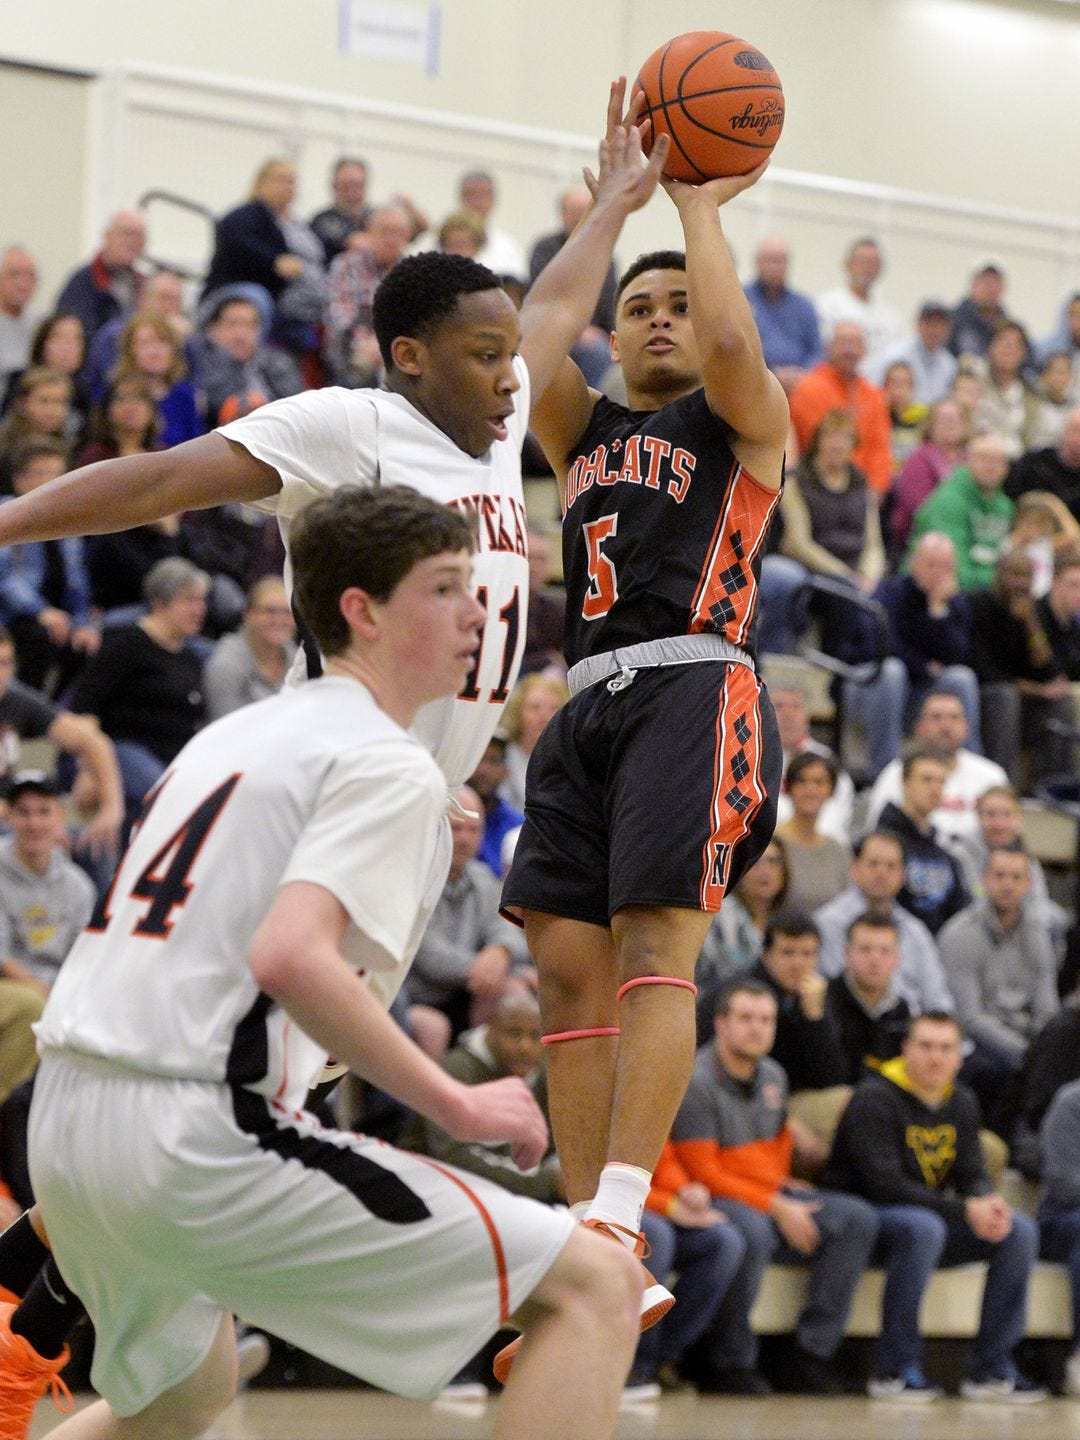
<point>151,352</point>
<point>534,700</point>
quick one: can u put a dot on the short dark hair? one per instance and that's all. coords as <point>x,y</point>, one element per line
<point>872,920</point>
<point>652,260</point>
<point>366,538</point>
<point>935,1017</point>
<point>420,292</point>
<point>1014,847</point>
<point>940,692</point>
<point>28,450</point>
<point>791,923</point>
<point>343,160</point>
<point>864,840</point>
<point>914,754</point>
<point>740,985</point>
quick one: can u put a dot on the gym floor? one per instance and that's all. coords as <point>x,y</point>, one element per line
<point>367,1415</point>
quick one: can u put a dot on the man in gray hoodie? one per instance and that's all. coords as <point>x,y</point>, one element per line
<point>1002,970</point>
<point>1000,961</point>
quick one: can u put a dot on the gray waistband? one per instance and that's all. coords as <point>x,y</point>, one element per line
<point>674,650</point>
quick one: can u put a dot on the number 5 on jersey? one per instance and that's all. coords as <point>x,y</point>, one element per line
<point>603,588</point>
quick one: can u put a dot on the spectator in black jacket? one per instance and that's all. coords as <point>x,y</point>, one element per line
<point>592,353</point>
<point>1052,1060</point>
<point>930,643</point>
<point>807,1041</point>
<point>978,315</point>
<point>933,888</point>
<point>1059,613</point>
<point>1022,683</point>
<point>1057,468</point>
<point>145,683</point>
<point>871,1016</point>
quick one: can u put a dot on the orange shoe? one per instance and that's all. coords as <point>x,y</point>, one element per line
<point>24,1377</point>
<point>656,1300</point>
<point>8,1297</point>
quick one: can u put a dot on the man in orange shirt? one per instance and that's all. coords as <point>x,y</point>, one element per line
<point>733,1134</point>
<point>835,384</point>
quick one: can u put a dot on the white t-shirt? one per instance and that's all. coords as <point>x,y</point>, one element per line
<point>502,254</point>
<point>316,783</point>
<point>880,323</point>
<point>321,439</point>
<point>955,817</point>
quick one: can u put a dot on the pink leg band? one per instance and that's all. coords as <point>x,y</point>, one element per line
<point>578,1034</point>
<point>656,980</point>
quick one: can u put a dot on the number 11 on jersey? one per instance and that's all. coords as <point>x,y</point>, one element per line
<point>510,617</point>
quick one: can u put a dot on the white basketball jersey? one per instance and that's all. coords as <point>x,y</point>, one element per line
<point>321,439</point>
<point>314,784</point>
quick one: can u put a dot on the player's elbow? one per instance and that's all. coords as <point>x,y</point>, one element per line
<point>272,962</point>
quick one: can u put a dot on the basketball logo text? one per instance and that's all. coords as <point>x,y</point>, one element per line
<point>769,117</point>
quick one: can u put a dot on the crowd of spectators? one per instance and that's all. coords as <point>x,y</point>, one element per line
<point>892,966</point>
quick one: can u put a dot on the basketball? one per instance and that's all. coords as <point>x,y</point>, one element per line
<point>718,98</point>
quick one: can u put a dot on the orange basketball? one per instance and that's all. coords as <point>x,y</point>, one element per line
<point>718,98</point>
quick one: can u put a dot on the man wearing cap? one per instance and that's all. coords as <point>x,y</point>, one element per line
<point>981,312</point>
<point>45,899</point>
<point>926,352</point>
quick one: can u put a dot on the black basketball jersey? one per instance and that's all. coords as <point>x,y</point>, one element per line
<point>663,531</point>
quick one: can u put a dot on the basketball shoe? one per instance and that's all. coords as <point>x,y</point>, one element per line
<point>24,1377</point>
<point>656,1299</point>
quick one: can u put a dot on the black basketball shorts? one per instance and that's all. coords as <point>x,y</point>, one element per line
<point>659,793</point>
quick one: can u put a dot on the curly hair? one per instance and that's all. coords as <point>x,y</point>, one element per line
<point>420,292</point>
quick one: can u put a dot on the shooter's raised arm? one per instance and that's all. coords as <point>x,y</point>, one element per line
<point>738,386</point>
<point>563,299</point>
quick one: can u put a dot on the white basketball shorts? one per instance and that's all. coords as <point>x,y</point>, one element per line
<point>171,1202</point>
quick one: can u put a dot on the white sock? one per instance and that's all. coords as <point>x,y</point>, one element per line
<point>620,1197</point>
<point>579,1210</point>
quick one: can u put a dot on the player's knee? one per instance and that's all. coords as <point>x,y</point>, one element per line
<point>659,941</point>
<point>602,1286</point>
<point>570,996</point>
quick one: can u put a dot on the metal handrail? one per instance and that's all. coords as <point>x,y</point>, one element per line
<point>585,145</point>
<point>863,672</point>
<point>180,202</point>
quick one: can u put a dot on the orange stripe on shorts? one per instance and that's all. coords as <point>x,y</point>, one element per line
<point>489,1225</point>
<point>738,791</point>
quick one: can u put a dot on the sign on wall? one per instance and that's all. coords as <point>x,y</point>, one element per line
<point>406,30</point>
